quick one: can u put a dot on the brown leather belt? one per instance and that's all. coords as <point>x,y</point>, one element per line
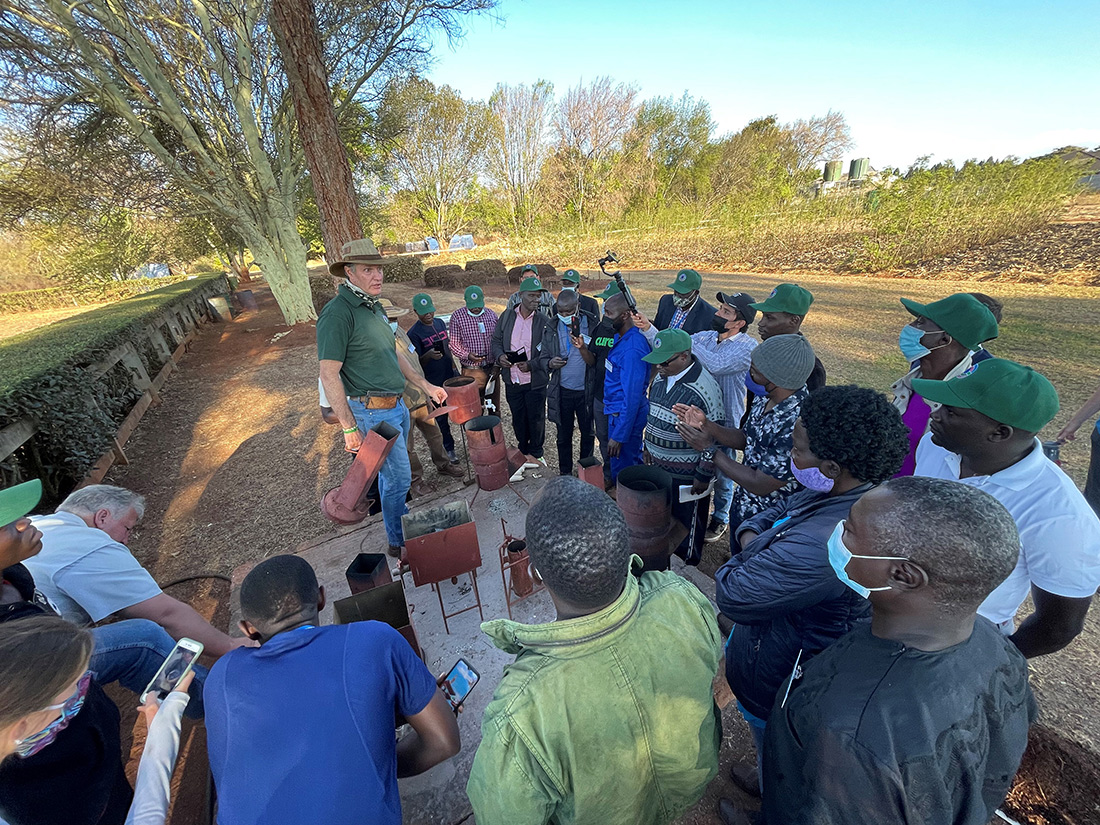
<point>377,402</point>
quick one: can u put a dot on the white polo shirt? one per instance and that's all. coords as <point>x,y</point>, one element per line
<point>1059,532</point>
<point>86,574</point>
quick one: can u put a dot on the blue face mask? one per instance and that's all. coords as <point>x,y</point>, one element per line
<point>909,342</point>
<point>753,387</point>
<point>812,478</point>
<point>565,319</point>
<point>839,556</point>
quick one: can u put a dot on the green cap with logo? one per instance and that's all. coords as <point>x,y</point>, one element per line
<point>532,284</point>
<point>962,316</point>
<point>1007,392</point>
<point>790,298</point>
<point>668,344</point>
<point>571,276</point>
<point>686,280</point>
<point>18,500</point>
<point>611,289</point>
<point>422,303</point>
<point>475,297</point>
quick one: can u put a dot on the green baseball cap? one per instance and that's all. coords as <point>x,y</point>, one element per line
<point>687,280</point>
<point>422,303</point>
<point>962,316</point>
<point>17,501</point>
<point>534,270</point>
<point>668,344</point>
<point>789,298</point>
<point>475,297</point>
<point>531,284</point>
<point>571,276</point>
<point>1003,390</point>
<point>611,289</point>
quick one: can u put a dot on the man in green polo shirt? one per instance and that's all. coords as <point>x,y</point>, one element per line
<point>363,373</point>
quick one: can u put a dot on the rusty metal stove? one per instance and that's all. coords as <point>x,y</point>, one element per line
<point>515,564</point>
<point>348,503</point>
<point>441,544</point>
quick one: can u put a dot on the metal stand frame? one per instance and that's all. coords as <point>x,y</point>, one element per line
<point>477,606</point>
<point>506,567</point>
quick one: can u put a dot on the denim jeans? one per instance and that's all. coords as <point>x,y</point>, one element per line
<point>130,652</point>
<point>395,477</point>
<point>723,492</point>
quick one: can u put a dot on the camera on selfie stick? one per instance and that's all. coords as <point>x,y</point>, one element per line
<point>618,276</point>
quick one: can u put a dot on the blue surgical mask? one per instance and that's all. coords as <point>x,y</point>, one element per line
<point>393,325</point>
<point>565,319</point>
<point>839,556</point>
<point>812,478</point>
<point>753,387</point>
<point>909,342</point>
<point>566,288</point>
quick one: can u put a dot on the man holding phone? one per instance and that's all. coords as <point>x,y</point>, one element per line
<point>339,687</point>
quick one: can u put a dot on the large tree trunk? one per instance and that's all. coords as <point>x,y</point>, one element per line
<point>295,26</point>
<point>284,267</point>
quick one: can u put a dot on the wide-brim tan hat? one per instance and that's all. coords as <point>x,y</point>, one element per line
<point>361,251</point>
<point>391,310</point>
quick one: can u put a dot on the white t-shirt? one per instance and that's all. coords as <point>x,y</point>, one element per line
<point>1059,532</point>
<point>86,574</point>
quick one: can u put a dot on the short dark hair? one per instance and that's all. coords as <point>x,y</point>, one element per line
<point>962,537</point>
<point>569,298</point>
<point>278,588</point>
<point>857,428</point>
<point>578,541</point>
<point>990,303</point>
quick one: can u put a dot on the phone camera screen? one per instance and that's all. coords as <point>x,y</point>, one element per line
<point>172,671</point>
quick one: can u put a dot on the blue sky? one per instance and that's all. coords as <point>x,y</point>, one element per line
<point>954,80</point>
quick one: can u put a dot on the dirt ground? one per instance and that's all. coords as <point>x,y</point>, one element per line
<point>234,462</point>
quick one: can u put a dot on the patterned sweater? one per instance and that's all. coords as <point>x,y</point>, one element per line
<point>666,448</point>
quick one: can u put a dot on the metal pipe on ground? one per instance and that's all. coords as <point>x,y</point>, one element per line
<point>348,503</point>
<point>644,494</point>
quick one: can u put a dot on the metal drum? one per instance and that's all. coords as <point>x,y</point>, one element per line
<point>644,494</point>
<point>487,451</point>
<point>463,395</point>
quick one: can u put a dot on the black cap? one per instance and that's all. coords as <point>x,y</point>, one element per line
<point>742,302</point>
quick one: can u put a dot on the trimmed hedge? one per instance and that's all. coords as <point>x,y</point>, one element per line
<point>488,268</point>
<point>546,273</point>
<point>33,300</point>
<point>42,376</point>
<point>403,268</point>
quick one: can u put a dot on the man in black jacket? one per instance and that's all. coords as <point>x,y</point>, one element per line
<point>781,592</point>
<point>684,308</point>
<point>521,332</point>
<point>572,383</point>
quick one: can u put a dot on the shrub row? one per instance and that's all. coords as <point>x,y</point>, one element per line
<point>36,299</point>
<point>43,377</point>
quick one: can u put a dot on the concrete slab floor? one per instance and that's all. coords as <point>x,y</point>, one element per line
<point>438,797</point>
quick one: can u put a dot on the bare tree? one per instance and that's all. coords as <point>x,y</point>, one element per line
<point>442,153</point>
<point>518,144</point>
<point>590,124</point>
<point>820,138</point>
<point>200,86</point>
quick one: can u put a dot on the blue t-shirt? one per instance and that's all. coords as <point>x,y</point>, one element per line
<point>424,338</point>
<point>302,729</point>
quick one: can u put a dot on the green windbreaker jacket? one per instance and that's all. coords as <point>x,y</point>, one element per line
<point>606,719</point>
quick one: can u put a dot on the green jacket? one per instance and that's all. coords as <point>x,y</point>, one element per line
<point>603,719</point>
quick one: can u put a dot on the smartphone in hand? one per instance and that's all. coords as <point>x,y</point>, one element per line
<point>458,683</point>
<point>179,663</point>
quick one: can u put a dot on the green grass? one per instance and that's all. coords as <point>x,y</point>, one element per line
<point>39,351</point>
<point>854,324</point>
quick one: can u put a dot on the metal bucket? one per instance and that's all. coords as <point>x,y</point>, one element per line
<point>487,451</point>
<point>463,396</point>
<point>367,571</point>
<point>590,470</point>
<point>644,494</point>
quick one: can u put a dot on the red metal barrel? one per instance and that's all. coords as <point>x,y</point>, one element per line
<point>487,451</point>
<point>521,576</point>
<point>644,494</point>
<point>463,395</point>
